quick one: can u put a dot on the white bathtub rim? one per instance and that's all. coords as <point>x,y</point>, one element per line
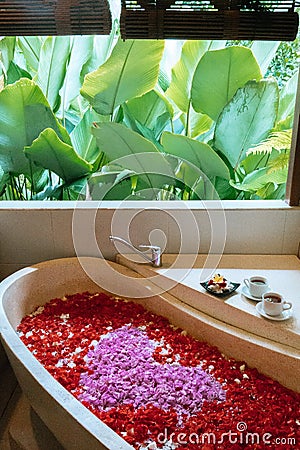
<point>225,327</point>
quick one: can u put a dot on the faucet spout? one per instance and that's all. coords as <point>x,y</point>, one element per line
<point>155,258</point>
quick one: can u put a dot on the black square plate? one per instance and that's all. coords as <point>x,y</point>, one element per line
<point>221,294</point>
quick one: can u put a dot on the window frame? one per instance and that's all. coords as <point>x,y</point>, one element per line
<point>293,180</point>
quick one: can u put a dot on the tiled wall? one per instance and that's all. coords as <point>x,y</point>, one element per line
<point>33,232</point>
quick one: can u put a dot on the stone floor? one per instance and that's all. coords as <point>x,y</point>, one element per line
<point>8,398</point>
<point>20,427</point>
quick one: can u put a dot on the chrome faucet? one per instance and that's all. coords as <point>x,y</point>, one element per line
<point>155,258</point>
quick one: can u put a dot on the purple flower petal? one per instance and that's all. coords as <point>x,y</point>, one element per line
<point>125,372</point>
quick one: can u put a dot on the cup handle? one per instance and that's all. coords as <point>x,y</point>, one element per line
<point>246,281</point>
<point>287,305</point>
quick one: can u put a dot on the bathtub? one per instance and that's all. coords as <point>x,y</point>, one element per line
<point>74,426</point>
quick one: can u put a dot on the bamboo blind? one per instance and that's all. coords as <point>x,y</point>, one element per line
<point>215,19</point>
<point>54,17</point>
<point>154,19</point>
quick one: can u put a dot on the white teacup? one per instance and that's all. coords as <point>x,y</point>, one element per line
<point>273,304</point>
<point>257,285</point>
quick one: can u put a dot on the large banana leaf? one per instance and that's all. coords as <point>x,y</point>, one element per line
<point>264,52</point>
<point>82,139</point>
<point>102,48</point>
<point>81,50</point>
<point>50,152</point>
<point>52,67</point>
<point>259,178</point>
<point>247,119</point>
<point>39,116</point>
<point>7,49</point>
<point>188,174</point>
<point>117,141</point>
<point>148,108</point>
<point>24,113</point>
<point>170,57</point>
<point>133,152</point>
<point>219,74</point>
<point>272,191</point>
<point>111,184</point>
<point>16,72</point>
<point>31,47</point>
<point>198,123</point>
<point>4,179</point>
<point>287,98</point>
<point>131,70</point>
<point>197,153</point>
<point>125,184</point>
<point>152,135</point>
<point>183,72</point>
<point>252,162</point>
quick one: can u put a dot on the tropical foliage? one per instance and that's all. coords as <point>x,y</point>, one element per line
<point>96,117</point>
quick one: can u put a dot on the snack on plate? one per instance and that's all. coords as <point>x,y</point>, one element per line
<point>218,284</point>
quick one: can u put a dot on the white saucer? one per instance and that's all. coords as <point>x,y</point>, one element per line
<point>285,315</point>
<point>246,293</point>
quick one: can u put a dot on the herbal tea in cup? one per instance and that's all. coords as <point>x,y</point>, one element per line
<point>257,285</point>
<point>273,304</point>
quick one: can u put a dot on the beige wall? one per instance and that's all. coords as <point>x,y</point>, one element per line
<point>31,232</point>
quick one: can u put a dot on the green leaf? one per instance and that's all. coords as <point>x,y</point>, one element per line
<point>188,174</point>
<point>285,124</point>
<point>264,52</point>
<point>50,192</point>
<point>76,190</point>
<point>46,120</point>
<point>148,108</point>
<point>259,178</point>
<point>15,72</point>
<point>197,153</point>
<point>247,119</point>
<point>31,47</point>
<point>124,184</point>
<point>102,47</point>
<point>4,180</point>
<point>183,72</point>
<point>267,191</point>
<point>163,121</point>
<point>52,67</point>
<point>102,185</point>
<point>7,49</point>
<point>287,98</point>
<point>133,152</point>
<point>117,141</point>
<point>141,129</point>
<point>171,55</point>
<point>82,139</point>
<point>40,180</point>
<point>219,74</point>
<point>225,190</point>
<point>24,113</point>
<point>131,70</point>
<point>198,123</point>
<point>51,153</point>
<point>81,49</point>
<point>252,162</point>
<point>274,192</point>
